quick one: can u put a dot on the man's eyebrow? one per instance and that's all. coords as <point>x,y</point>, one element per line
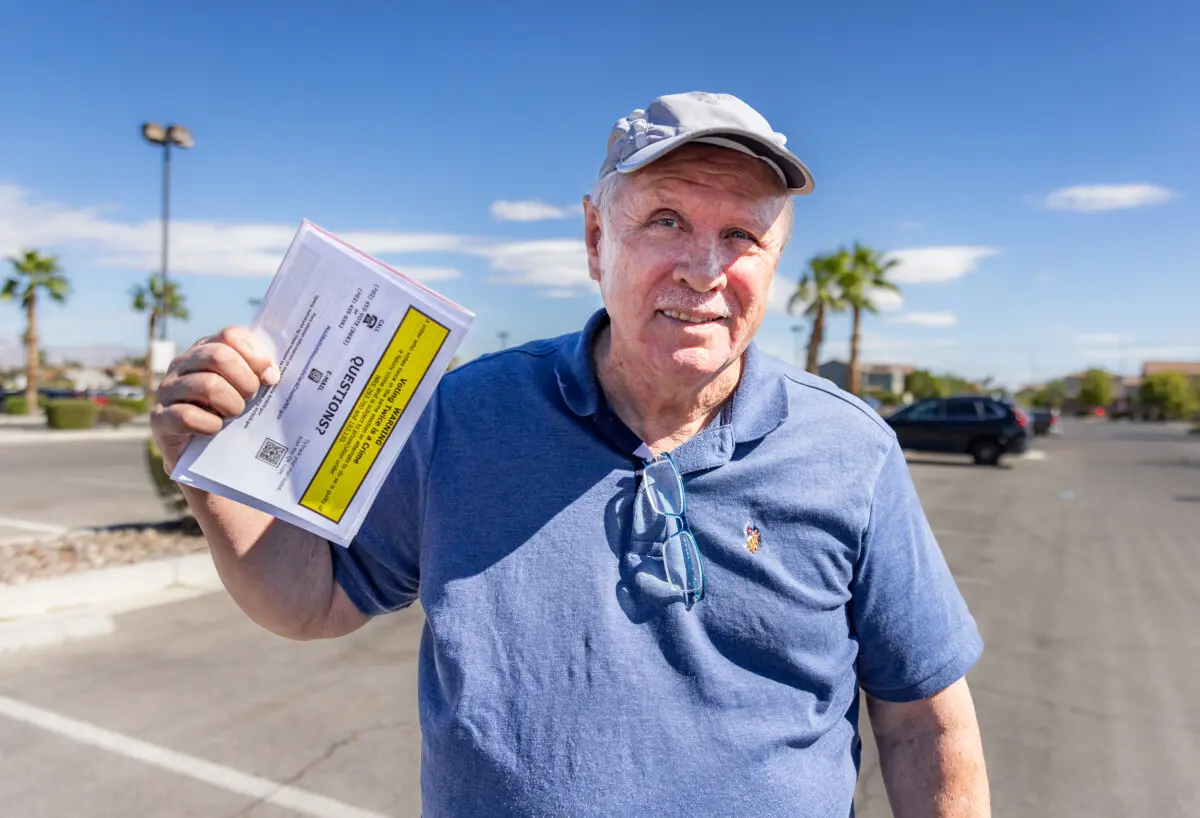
<point>748,215</point>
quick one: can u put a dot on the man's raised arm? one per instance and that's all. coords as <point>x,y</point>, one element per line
<point>280,575</point>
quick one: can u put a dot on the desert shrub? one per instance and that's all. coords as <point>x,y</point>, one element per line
<point>71,414</point>
<point>166,488</point>
<point>16,405</point>
<point>135,405</point>
<point>115,415</point>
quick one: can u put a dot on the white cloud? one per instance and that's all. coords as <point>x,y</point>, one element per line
<point>777,298</point>
<point>926,319</point>
<point>197,247</point>
<point>531,211</point>
<point>927,265</point>
<point>554,263</point>
<point>1110,339</point>
<point>886,300</point>
<point>1098,198</point>
<point>561,293</point>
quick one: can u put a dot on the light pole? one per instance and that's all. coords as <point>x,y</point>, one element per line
<point>178,136</point>
<point>796,328</point>
<point>503,340</point>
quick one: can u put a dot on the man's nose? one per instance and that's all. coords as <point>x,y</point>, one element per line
<point>704,265</point>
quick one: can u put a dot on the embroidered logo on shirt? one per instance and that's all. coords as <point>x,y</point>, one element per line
<point>753,538</point>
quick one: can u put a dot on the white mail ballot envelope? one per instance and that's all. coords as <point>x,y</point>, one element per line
<point>360,348</point>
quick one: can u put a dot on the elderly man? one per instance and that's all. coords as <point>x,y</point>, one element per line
<point>657,565</point>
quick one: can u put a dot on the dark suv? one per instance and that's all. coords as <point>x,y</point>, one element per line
<point>984,428</point>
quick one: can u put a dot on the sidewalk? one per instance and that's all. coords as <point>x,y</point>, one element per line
<point>18,429</point>
<point>78,606</point>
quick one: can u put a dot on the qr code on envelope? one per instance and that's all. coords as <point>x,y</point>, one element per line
<point>271,452</point>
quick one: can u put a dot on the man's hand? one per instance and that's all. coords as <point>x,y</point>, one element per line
<point>931,755</point>
<point>206,385</point>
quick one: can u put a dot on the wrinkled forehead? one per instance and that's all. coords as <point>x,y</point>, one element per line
<point>708,177</point>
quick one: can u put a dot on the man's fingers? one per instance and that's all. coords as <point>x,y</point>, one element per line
<point>208,390</point>
<point>222,360</point>
<point>183,420</point>
<point>243,341</point>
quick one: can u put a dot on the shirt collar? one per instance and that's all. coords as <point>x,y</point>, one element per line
<point>760,402</point>
<point>575,368</point>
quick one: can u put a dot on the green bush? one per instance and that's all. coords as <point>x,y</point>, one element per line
<point>1170,394</point>
<point>15,405</point>
<point>71,414</point>
<point>166,488</point>
<point>135,405</point>
<point>116,415</point>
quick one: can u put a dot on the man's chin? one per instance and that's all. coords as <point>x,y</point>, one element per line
<point>699,361</point>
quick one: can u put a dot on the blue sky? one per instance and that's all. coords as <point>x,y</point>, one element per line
<point>1034,168</point>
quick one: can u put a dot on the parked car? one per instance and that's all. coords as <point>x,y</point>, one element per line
<point>1045,420</point>
<point>985,428</point>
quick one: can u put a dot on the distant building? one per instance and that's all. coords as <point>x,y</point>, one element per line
<point>89,379</point>
<point>1072,384</point>
<point>871,377</point>
<point>1189,368</point>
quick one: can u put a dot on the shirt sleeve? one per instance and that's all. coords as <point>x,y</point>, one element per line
<point>915,634</point>
<point>380,570</point>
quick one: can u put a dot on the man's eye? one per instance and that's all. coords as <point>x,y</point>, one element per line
<point>667,221</point>
<point>741,234</point>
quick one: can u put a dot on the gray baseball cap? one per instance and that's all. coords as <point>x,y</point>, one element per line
<point>715,119</point>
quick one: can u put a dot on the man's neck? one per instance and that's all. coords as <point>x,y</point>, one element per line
<point>663,415</point>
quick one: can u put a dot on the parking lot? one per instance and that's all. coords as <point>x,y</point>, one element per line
<point>1081,564</point>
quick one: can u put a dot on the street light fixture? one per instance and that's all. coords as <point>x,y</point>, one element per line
<point>180,137</point>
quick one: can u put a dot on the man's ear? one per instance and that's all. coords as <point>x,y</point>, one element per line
<point>592,235</point>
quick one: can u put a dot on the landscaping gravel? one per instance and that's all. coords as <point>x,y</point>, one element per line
<point>22,562</point>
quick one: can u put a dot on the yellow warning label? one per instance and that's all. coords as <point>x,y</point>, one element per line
<point>374,415</point>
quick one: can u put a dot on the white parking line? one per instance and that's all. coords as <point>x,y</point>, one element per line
<point>1034,454</point>
<point>30,525</point>
<point>218,775</point>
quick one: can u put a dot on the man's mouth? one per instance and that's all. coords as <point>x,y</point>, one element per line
<point>692,318</point>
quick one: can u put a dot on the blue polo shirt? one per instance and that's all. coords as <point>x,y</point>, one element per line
<point>561,675</point>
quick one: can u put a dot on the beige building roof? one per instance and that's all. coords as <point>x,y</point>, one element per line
<point>1186,367</point>
<point>902,368</point>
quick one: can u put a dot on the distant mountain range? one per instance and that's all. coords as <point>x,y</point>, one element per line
<point>13,355</point>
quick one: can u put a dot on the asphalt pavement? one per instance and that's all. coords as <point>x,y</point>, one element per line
<point>64,484</point>
<point>1082,567</point>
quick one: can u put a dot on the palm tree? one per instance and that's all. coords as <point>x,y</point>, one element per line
<point>158,300</point>
<point>819,293</point>
<point>867,273</point>
<point>31,273</point>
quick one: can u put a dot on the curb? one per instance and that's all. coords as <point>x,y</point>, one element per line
<point>46,631</point>
<point>9,438</point>
<point>79,606</point>
<point>108,585</point>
